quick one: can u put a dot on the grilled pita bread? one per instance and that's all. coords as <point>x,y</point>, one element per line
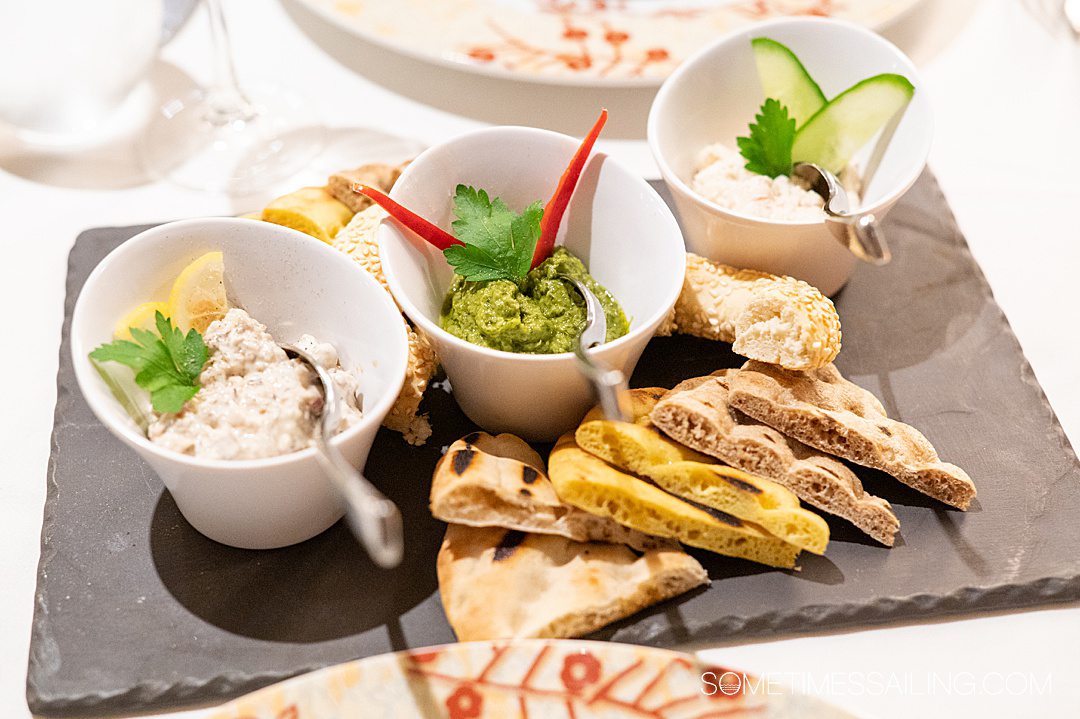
<point>486,481</point>
<point>822,409</point>
<point>590,483</point>
<point>639,448</point>
<point>697,413</point>
<point>504,584</point>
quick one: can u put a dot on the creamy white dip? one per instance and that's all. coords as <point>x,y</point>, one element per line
<point>254,401</point>
<point>720,175</point>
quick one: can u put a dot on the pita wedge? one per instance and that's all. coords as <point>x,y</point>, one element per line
<point>824,410</point>
<point>697,414</point>
<point>486,481</point>
<point>639,448</point>
<point>589,483</point>
<point>505,584</point>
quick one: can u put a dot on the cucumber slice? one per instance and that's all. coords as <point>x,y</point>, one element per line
<point>785,79</point>
<point>832,136</point>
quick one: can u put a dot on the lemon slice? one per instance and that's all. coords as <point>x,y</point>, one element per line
<point>142,317</point>
<point>198,295</point>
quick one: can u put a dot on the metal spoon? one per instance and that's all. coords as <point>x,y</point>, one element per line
<point>608,383</point>
<point>857,231</point>
<point>374,519</point>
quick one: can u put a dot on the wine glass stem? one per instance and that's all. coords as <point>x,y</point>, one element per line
<point>227,101</point>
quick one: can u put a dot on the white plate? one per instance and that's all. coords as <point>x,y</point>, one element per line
<point>543,679</point>
<point>598,43</point>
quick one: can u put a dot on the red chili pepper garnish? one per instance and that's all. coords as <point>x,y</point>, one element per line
<point>426,230</point>
<point>556,207</point>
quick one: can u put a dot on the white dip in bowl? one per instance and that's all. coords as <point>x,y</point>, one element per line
<point>721,176</point>
<point>254,401</point>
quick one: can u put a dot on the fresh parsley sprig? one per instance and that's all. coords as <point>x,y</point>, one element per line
<point>768,148</point>
<point>498,243</point>
<point>167,364</point>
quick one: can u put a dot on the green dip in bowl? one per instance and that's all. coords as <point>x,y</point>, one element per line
<point>541,314</point>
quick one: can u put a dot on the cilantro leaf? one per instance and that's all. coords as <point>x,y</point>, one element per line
<point>167,364</point>
<point>172,395</point>
<point>499,243</point>
<point>525,233</point>
<point>476,264</point>
<point>188,352</point>
<point>768,148</point>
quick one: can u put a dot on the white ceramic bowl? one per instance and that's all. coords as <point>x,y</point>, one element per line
<point>293,284</point>
<point>713,96</point>
<point>616,223</point>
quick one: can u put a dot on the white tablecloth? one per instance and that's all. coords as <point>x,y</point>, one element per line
<point>1006,91</point>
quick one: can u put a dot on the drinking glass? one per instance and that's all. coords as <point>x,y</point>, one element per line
<point>225,138</point>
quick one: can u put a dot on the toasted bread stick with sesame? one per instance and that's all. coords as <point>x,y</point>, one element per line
<point>769,318</point>
<point>358,241</point>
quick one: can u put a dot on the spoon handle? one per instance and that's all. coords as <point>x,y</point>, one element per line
<point>856,231</point>
<point>609,385</point>
<point>871,241</point>
<point>374,519</point>
<point>861,235</point>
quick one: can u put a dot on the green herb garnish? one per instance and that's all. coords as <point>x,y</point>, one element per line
<point>768,148</point>
<point>167,364</point>
<point>499,243</point>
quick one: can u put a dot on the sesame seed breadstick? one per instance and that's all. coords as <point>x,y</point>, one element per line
<point>770,318</point>
<point>358,241</point>
<point>405,415</point>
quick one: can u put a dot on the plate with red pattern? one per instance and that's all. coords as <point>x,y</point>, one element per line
<point>577,42</point>
<point>537,678</point>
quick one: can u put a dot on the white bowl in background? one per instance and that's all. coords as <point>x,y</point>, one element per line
<point>622,230</point>
<point>713,97</point>
<point>293,284</point>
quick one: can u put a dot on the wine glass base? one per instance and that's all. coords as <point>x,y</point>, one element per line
<point>190,142</point>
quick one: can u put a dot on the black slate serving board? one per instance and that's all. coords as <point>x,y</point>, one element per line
<point>137,611</point>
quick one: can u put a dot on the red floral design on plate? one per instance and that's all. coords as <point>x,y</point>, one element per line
<point>575,53</point>
<point>464,703</point>
<point>527,679</point>
<point>579,671</point>
<point>761,9</point>
<point>616,37</point>
<point>481,54</point>
<point>573,32</point>
<point>581,688</point>
<point>425,657</point>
